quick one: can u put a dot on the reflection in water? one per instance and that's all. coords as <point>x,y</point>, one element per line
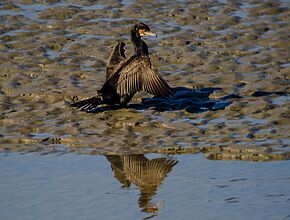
<point>146,174</point>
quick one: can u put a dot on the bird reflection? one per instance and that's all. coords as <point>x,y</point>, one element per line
<point>146,174</point>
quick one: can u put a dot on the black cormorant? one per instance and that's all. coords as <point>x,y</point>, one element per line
<point>125,77</point>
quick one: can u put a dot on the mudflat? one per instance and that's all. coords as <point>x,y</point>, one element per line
<point>233,57</point>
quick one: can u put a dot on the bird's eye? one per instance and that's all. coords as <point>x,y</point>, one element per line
<point>141,32</point>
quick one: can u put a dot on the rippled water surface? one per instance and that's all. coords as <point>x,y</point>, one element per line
<point>229,64</point>
<point>84,187</point>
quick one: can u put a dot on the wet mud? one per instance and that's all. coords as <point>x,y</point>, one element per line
<point>229,63</point>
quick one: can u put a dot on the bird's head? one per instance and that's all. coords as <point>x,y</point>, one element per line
<point>142,30</point>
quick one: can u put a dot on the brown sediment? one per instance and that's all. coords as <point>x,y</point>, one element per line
<point>54,55</point>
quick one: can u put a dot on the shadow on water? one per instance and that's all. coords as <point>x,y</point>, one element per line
<point>190,100</point>
<point>146,174</point>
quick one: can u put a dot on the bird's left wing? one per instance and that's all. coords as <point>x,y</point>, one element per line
<point>116,57</point>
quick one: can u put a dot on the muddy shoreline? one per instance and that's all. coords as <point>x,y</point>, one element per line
<point>55,52</point>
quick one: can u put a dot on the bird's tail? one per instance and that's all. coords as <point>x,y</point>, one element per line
<point>89,104</point>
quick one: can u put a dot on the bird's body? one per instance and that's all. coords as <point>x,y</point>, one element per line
<point>125,77</point>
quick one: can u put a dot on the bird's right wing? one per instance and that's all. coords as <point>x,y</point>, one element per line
<point>139,75</point>
<point>116,57</point>
<point>153,82</point>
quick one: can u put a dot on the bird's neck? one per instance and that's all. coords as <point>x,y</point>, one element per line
<point>140,47</point>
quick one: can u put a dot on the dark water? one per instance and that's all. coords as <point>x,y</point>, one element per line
<point>70,186</point>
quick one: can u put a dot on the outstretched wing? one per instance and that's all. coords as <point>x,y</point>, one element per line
<point>139,75</point>
<point>116,57</point>
<point>153,83</point>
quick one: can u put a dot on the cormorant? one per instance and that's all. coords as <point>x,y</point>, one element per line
<point>125,77</point>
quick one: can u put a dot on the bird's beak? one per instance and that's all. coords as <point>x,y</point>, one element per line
<point>149,33</point>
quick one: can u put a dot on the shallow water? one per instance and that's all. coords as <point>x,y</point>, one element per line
<point>68,186</point>
<point>229,63</point>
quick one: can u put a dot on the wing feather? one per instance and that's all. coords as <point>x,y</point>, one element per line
<point>137,75</point>
<point>154,83</point>
<point>128,78</point>
<point>116,57</point>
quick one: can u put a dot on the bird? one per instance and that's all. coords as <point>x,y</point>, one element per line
<point>127,76</point>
